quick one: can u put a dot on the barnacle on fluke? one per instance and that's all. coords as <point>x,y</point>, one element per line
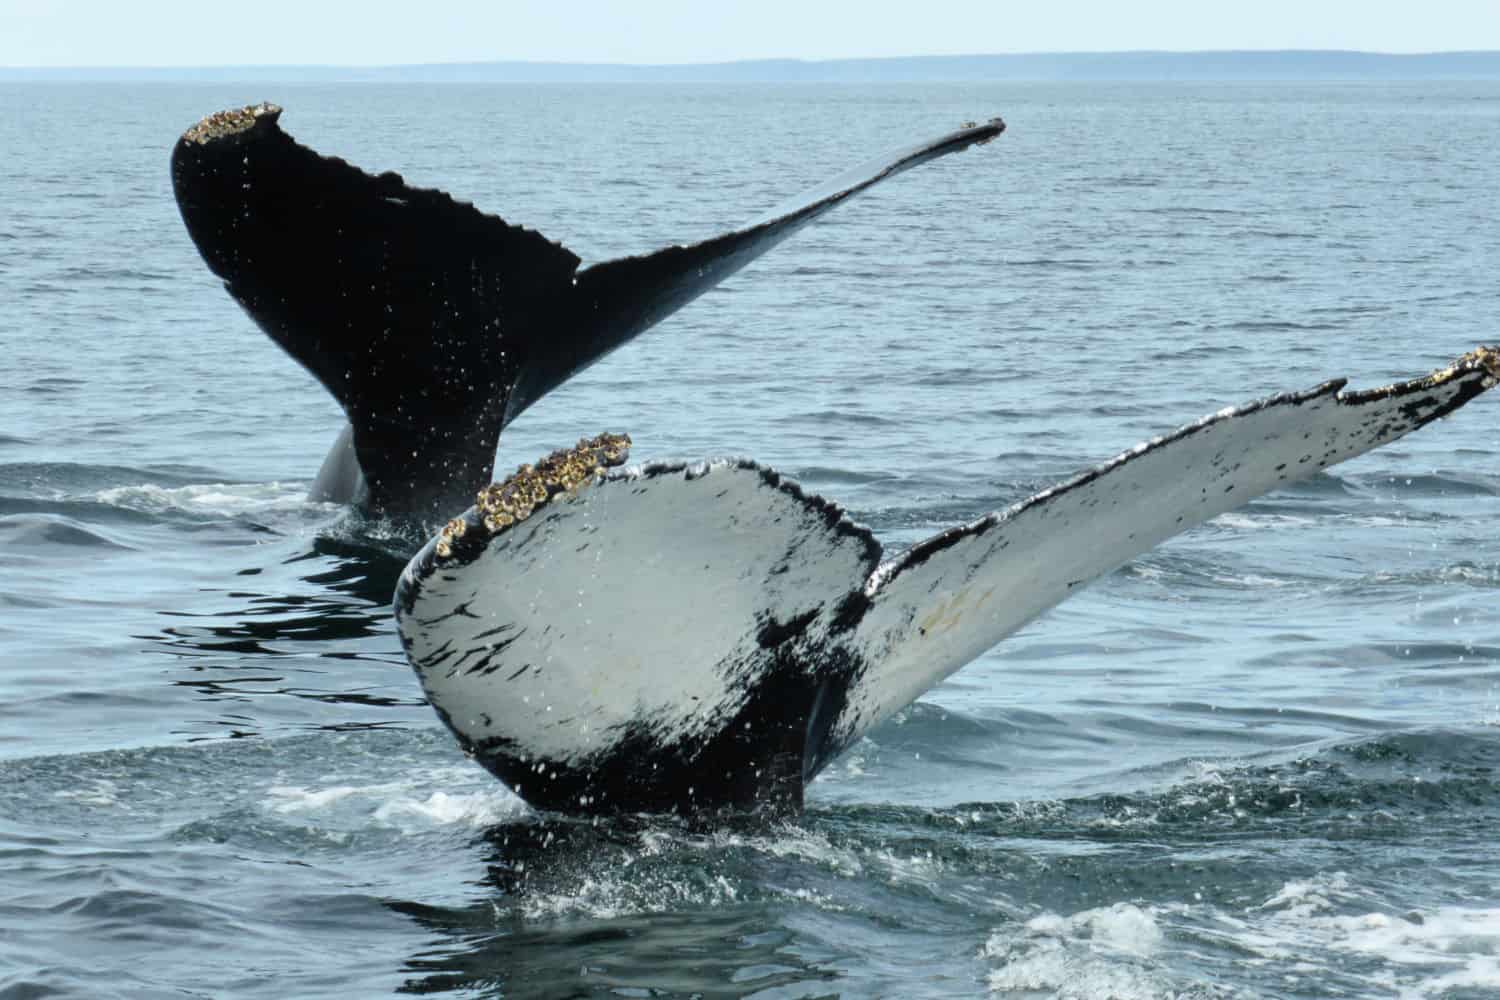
<point>222,124</point>
<point>513,499</point>
<point>1486,358</point>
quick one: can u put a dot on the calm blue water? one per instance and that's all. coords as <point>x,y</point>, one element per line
<point>1263,761</point>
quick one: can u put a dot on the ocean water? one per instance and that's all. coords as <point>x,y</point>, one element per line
<point>1261,761</point>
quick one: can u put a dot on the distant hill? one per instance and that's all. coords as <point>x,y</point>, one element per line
<point>1141,66</point>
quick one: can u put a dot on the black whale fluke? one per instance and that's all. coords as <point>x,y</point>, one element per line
<point>435,324</point>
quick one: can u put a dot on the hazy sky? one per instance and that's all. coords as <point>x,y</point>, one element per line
<point>383,32</point>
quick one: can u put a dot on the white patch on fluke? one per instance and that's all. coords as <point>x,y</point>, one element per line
<point>624,607</point>
<point>998,573</point>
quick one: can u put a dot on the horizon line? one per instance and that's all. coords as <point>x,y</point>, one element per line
<point>748,61</point>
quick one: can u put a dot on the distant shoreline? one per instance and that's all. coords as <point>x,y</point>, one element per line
<point>1267,65</point>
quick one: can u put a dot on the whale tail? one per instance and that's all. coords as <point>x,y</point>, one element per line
<point>684,638</point>
<point>432,323</point>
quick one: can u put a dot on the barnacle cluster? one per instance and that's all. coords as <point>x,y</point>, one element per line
<point>452,532</point>
<point>230,122</point>
<point>1482,358</point>
<point>514,499</point>
<point>1487,358</point>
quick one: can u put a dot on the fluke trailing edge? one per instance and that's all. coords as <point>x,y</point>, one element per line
<point>688,638</point>
<point>433,323</point>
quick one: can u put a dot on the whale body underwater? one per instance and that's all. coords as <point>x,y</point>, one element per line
<point>666,637</point>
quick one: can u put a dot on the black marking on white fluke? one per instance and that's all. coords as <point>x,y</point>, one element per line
<point>432,323</point>
<point>690,638</point>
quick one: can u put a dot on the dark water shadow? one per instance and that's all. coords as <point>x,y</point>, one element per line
<point>332,592</point>
<point>525,939</point>
<point>309,625</point>
<point>710,952</point>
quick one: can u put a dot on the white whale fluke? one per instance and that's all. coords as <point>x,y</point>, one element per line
<point>688,638</point>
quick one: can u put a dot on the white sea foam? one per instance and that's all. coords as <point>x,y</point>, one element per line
<point>795,842</point>
<point>1250,520</point>
<point>407,806</point>
<point>652,877</point>
<point>100,792</point>
<point>442,809</point>
<point>1308,929</point>
<point>296,799</point>
<point>1108,952</point>
<point>915,868</point>
<point>623,892</point>
<point>1304,897</point>
<point>1422,953</point>
<point>227,499</point>
<point>1254,580</point>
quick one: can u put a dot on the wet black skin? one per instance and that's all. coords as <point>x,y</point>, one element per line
<point>432,323</point>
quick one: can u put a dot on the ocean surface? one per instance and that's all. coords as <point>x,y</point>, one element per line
<point>1261,761</point>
